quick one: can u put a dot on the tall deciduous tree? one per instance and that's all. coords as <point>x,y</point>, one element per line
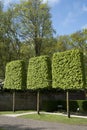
<point>34,22</point>
<point>9,42</point>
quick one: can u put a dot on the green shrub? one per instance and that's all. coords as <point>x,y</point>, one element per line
<point>39,73</point>
<point>49,106</point>
<point>82,105</point>
<point>15,76</point>
<point>73,105</point>
<point>52,105</point>
<point>68,70</point>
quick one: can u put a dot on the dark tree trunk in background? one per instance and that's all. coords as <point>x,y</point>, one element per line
<point>37,43</point>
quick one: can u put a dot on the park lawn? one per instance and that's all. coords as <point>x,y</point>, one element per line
<point>16,112</point>
<point>57,118</point>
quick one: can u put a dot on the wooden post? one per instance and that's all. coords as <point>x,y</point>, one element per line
<point>67,98</point>
<point>38,102</point>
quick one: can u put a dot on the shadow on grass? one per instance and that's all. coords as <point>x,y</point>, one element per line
<point>18,127</point>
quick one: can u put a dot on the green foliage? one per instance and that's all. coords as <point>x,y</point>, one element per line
<point>37,17</point>
<point>68,70</point>
<point>39,73</point>
<point>49,106</point>
<point>15,75</point>
<point>82,105</point>
<point>52,105</point>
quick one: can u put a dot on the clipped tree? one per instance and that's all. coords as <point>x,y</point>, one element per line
<point>68,72</point>
<point>39,75</point>
<point>15,77</point>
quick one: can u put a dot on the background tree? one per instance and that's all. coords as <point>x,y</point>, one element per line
<point>63,43</point>
<point>48,46</point>
<point>9,42</point>
<point>34,22</point>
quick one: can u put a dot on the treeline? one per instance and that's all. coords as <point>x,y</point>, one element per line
<point>26,31</point>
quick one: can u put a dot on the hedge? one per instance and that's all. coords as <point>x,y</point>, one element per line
<point>15,76</point>
<point>68,70</point>
<point>39,73</point>
<point>52,105</point>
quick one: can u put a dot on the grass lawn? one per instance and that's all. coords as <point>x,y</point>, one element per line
<point>16,112</point>
<point>57,118</point>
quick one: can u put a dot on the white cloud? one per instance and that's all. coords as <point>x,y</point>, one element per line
<point>6,2</point>
<point>70,18</point>
<point>52,2</point>
<point>84,8</point>
<point>84,26</point>
<point>73,15</point>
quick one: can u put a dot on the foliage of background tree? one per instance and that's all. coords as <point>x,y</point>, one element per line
<point>9,43</point>
<point>28,25</point>
<point>34,22</point>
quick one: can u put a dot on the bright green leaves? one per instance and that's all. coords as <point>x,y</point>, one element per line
<point>39,73</point>
<point>15,77</point>
<point>67,70</point>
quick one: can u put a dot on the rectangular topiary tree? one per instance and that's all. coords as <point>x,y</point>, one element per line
<point>15,77</point>
<point>39,74</point>
<point>68,70</point>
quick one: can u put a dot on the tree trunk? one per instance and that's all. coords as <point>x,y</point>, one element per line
<point>37,43</point>
<point>38,102</point>
<point>13,101</point>
<point>67,98</point>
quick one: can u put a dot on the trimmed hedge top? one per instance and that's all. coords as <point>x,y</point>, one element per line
<point>68,70</point>
<point>39,73</point>
<point>15,76</point>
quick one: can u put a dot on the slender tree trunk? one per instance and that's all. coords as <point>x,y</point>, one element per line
<point>14,101</point>
<point>37,43</point>
<point>67,99</point>
<point>38,102</point>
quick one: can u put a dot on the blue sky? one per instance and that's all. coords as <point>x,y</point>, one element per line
<point>68,16</point>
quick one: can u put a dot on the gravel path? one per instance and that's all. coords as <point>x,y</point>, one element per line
<point>17,123</point>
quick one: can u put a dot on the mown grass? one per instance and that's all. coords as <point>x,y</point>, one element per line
<point>57,118</point>
<point>16,112</point>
